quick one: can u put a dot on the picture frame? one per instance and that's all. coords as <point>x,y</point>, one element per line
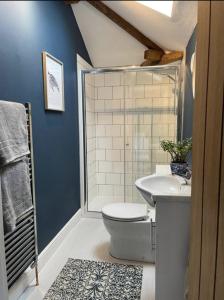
<point>53,75</point>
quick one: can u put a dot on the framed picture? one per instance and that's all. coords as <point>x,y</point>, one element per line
<point>53,82</point>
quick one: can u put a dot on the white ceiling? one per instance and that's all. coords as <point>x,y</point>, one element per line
<point>109,45</point>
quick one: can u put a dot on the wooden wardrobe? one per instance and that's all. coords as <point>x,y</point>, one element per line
<point>206,271</point>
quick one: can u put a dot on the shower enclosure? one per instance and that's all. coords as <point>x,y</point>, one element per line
<point>126,113</point>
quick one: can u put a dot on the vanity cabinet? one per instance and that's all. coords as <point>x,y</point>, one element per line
<point>172,247</point>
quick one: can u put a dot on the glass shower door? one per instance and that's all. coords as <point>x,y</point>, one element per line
<point>137,132</point>
<point>104,127</point>
<point>126,114</point>
<point>150,116</point>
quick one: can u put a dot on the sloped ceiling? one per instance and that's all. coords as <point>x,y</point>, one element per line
<point>109,45</point>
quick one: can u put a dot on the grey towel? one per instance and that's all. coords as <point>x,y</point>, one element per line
<point>13,132</point>
<point>16,192</point>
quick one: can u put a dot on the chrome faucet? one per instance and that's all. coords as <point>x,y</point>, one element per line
<point>185,177</point>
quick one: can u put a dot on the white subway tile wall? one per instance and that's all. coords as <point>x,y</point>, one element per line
<point>128,114</point>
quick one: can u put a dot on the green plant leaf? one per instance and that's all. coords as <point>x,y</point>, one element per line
<point>178,151</point>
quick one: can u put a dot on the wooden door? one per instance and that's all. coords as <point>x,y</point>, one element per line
<point>206,270</point>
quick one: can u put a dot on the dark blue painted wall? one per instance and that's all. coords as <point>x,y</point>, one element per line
<point>26,29</point>
<point>188,95</point>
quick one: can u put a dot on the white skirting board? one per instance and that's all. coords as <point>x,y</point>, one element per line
<point>29,275</point>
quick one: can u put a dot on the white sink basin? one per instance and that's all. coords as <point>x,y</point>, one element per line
<point>166,187</point>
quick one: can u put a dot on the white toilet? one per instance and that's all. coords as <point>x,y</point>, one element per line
<point>131,228</point>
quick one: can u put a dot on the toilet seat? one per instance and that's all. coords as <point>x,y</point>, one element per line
<point>126,212</point>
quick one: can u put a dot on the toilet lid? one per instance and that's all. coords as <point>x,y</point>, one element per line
<point>125,211</point>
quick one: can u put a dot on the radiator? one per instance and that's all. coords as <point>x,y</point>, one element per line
<point>21,249</point>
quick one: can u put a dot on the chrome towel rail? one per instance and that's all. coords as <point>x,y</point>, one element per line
<point>21,249</point>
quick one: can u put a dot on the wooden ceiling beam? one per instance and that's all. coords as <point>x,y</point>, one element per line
<point>154,55</point>
<point>171,57</point>
<point>125,25</point>
<point>152,58</point>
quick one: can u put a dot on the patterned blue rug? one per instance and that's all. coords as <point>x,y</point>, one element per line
<point>91,280</point>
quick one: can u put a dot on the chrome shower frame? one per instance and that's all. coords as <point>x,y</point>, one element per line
<point>177,71</point>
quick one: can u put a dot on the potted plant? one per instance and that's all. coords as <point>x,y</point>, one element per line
<point>179,152</point>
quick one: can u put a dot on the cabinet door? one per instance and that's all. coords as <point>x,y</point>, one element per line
<point>172,244</point>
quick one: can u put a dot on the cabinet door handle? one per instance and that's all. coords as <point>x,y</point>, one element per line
<point>151,234</point>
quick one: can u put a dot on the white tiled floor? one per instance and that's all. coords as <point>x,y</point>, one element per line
<point>88,240</point>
